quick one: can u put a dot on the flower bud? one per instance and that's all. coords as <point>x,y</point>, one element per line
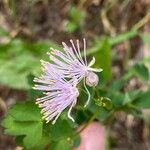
<point>92,79</point>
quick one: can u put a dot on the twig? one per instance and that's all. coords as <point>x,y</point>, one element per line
<point>142,22</point>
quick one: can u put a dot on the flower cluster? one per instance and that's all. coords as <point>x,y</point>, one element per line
<point>60,79</point>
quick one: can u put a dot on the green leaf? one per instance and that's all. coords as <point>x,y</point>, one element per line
<point>60,130</point>
<point>117,84</point>
<point>33,94</point>
<point>81,115</point>
<point>28,111</point>
<point>76,141</point>
<point>71,27</point>
<point>100,113</point>
<point>61,145</point>
<point>44,143</point>
<point>20,58</point>
<point>103,58</point>
<point>116,97</point>
<point>123,37</point>
<point>24,120</point>
<point>29,129</point>
<point>130,96</point>
<point>115,40</point>
<point>76,15</point>
<point>127,99</point>
<point>143,101</point>
<point>76,19</point>
<point>19,140</point>
<point>141,71</point>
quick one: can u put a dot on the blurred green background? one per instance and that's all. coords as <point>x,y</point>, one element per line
<point>117,34</point>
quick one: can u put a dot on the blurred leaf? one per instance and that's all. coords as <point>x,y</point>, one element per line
<point>130,96</point>
<point>32,94</point>
<point>3,32</point>
<point>100,113</point>
<point>122,37</point>
<point>127,99</point>
<point>76,19</point>
<point>77,15</point>
<point>133,110</point>
<point>120,99</point>
<point>117,84</point>
<point>71,27</point>
<point>115,40</point>
<point>18,124</point>
<point>145,38</point>
<point>116,97</point>
<point>20,58</point>
<point>13,8</point>
<point>103,58</point>
<point>143,101</point>
<point>14,72</point>
<point>76,141</point>
<point>142,71</point>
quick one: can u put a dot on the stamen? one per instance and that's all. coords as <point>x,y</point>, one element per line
<point>54,121</point>
<point>69,52</point>
<point>84,42</point>
<point>75,50</point>
<point>78,48</point>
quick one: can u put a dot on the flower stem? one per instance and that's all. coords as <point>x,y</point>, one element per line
<point>92,117</point>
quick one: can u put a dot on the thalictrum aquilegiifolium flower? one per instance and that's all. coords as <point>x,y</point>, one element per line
<point>60,79</point>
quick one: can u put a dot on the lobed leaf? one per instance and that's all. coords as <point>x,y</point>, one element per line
<point>24,120</point>
<point>28,111</point>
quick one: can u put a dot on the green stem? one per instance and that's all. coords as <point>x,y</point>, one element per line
<point>91,119</point>
<point>97,93</point>
<point>142,22</point>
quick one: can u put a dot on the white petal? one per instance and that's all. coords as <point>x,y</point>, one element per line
<point>92,62</point>
<point>95,69</point>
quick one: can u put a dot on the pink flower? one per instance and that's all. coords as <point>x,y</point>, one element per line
<point>73,67</point>
<point>59,94</point>
<point>60,78</point>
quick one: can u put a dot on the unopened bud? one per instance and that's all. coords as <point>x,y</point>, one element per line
<point>92,79</point>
